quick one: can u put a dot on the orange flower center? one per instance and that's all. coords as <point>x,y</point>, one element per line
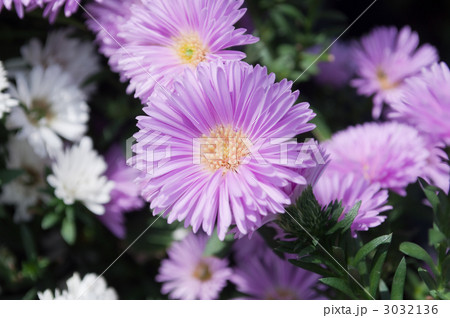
<point>385,83</point>
<point>223,148</point>
<point>202,272</point>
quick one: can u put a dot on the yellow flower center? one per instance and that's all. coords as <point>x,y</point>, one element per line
<point>223,148</point>
<point>190,49</point>
<point>385,83</point>
<point>202,272</point>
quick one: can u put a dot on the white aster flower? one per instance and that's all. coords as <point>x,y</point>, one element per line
<point>25,191</point>
<point>88,288</point>
<point>77,175</point>
<point>6,102</point>
<point>76,57</point>
<point>53,107</point>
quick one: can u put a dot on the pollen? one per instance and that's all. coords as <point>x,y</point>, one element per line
<point>223,148</point>
<point>190,49</point>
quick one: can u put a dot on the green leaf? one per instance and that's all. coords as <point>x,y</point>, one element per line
<point>339,254</point>
<point>339,284</point>
<point>419,253</point>
<point>369,247</point>
<point>68,229</point>
<point>398,283</point>
<point>28,241</point>
<point>216,247</point>
<point>446,268</point>
<point>290,10</point>
<point>50,220</point>
<point>375,273</point>
<point>31,294</point>
<point>346,223</point>
<point>430,193</point>
<point>315,268</point>
<point>435,236</point>
<point>427,278</point>
<point>9,175</point>
<point>335,211</point>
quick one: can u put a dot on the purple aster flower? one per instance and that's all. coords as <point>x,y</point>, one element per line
<point>166,37</point>
<point>52,8</point>
<point>18,5</point>
<point>391,154</point>
<point>229,129</point>
<point>267,276</point>
<point>106,19</point>
<point>125,194</point>
<point>426,103</point>
<point>349,189</point>
<point>340,68</point>
<point>188,274</point>
<point>384,59</point>
<point>437,170</point>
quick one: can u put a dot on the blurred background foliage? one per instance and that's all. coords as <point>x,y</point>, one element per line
<point>36,255</point>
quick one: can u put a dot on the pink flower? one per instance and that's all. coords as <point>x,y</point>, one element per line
<point>225,127</point>
<point>165,37</point>
<point>188,274</point>
<point>384,59</point>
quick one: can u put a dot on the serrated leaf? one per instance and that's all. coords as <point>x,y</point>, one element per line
<point>427,278</point>
<point>419,253</point>
<point>398,283</point>
<point>339,284</point>
<point>371,246</point>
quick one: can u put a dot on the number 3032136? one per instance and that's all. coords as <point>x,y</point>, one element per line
<point>410,309</point>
